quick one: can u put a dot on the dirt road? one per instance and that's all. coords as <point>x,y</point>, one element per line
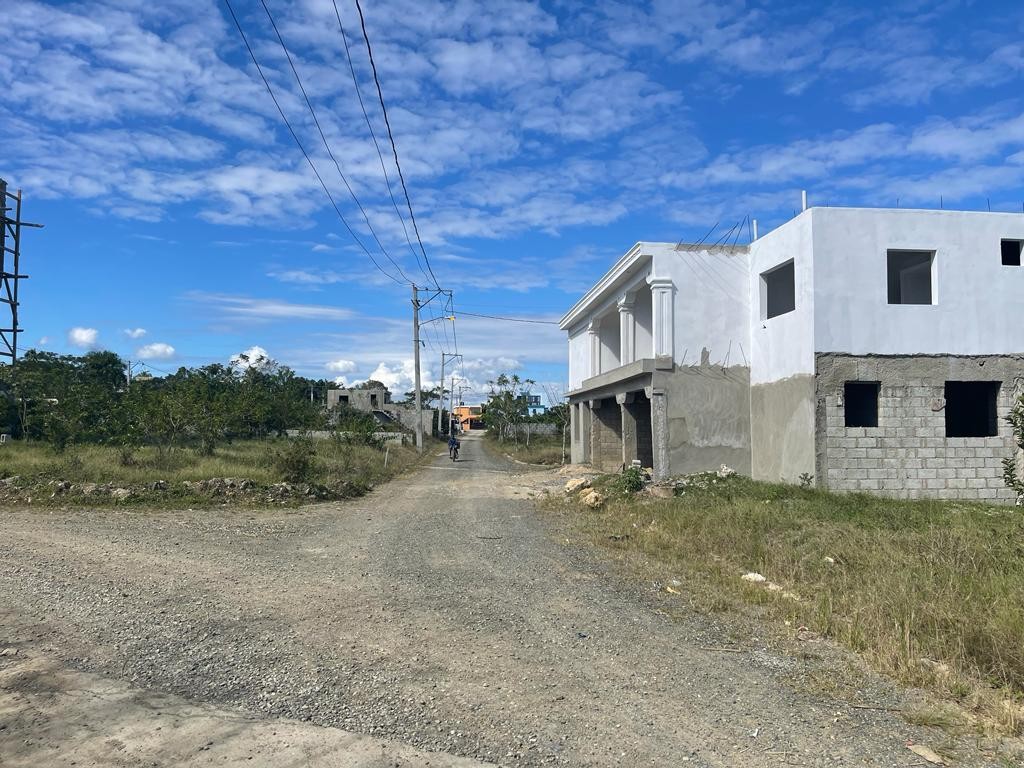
<point>441,612</point>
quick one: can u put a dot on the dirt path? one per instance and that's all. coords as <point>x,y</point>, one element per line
<point>439,612</point>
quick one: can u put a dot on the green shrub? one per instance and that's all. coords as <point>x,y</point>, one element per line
<point>296,461</point>
<point>630,481</point>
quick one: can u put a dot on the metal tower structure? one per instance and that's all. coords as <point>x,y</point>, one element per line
<point>10,267</point>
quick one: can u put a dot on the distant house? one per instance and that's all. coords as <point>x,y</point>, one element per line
<point>534,406</point>
<point>360,399</point>
<point>377,401</point>
<point>875,350</point>
<point>468,416</point>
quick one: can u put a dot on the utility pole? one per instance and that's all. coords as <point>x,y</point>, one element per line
<point>447,356</point>
<point>416,363</point>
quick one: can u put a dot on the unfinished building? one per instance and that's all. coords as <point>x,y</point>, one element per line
<point>871,349</point>
<point>377,402</point>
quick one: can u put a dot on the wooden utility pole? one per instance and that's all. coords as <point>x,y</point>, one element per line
<point>416,364</point>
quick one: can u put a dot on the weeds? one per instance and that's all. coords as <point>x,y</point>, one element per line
<point>295,461</point>
<point>345,469</point>
<point>543,449</point>
<point>898,581</point>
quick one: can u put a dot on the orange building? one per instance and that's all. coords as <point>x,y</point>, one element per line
<point>468,416</point>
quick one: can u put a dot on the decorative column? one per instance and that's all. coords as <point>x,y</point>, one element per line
<point>663,316</point>
<point>594,330</point>
<point>627,330</point>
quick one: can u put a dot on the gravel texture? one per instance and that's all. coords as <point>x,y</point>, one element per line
<point>443,611</point>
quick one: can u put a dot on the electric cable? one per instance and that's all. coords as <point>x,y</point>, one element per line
<point>391,137</point>
<point>327,145</point>
<point>302,149</point>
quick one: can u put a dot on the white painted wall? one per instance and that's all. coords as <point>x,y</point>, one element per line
<point>644,323</point>
<point>783,346</point>
<point>978,301</point>
<point>610,340</point>
<point>711,303</point>
<point>579,356</point>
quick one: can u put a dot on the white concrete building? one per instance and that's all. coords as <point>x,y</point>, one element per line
<point>873,349</point>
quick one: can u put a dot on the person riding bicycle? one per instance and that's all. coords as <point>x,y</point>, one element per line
<point>453,447</point>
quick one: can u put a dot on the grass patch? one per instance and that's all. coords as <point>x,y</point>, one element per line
<point>931,592</point>
<point>339,468</point>
<point>542,449</point>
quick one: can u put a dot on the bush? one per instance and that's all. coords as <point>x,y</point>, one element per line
<point>630,481</point>
<point>296,461</point>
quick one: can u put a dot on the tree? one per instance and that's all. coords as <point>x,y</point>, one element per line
<point>557,413</point>
<point>507,406</point>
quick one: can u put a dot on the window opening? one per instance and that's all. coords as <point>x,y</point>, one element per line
<point>1011,252</point>
<point>971,408</point>
<point>778,290</point>
<point>860,403</point>
<point>910,277</point>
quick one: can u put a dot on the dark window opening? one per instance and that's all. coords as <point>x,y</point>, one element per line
<point>373,401</point>
<point>910,277</point>
<point>860,399</point>
<point>1011,251</point>
<point>343,399</point>
<point>971,408</point>
<point>778,290</point>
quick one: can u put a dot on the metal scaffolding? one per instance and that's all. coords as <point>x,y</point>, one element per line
<point>10,267</point>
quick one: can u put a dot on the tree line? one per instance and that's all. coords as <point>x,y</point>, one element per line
<point>68,399</point>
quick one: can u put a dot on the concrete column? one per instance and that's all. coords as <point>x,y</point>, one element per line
<point>594,331</point>
<point>662,312</point>
<point>659,432</point>
<point>627,330</point>
<point>586,425</point>
<point>628,429</point>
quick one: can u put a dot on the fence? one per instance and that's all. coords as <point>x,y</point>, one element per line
<point>393,438</point>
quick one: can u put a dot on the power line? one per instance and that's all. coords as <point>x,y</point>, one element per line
<point>373,135</point>
<point>327,145</point>
<point>510,319</point>
<point>391,137</point>
<point>302,149</point>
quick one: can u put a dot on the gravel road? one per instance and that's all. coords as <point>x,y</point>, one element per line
<point>443,611</point>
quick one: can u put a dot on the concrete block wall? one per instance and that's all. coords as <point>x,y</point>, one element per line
<point>606,435</point>
<point>908,454</point>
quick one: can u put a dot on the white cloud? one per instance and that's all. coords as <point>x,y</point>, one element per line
<point>341,366</point>
<point>84,338</point>
<point>134,333</point>
<point>254,357</point>
<point>268,309</point>
<point>156,351</point>
<point>399,377</point>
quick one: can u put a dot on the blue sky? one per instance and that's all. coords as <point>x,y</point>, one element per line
<point>539,141</point>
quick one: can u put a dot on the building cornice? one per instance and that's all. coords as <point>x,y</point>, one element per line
<point>630,259</point>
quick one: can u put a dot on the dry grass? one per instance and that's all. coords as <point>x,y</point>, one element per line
<point>358,466</point>
<point>543,449</point>
<point>931,592</point>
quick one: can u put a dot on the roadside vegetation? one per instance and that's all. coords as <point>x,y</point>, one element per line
<point>930,592</point>
<point>513,431</point>
<point>205,435</point>
<point>286,470</point>
<point>538,449</point>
